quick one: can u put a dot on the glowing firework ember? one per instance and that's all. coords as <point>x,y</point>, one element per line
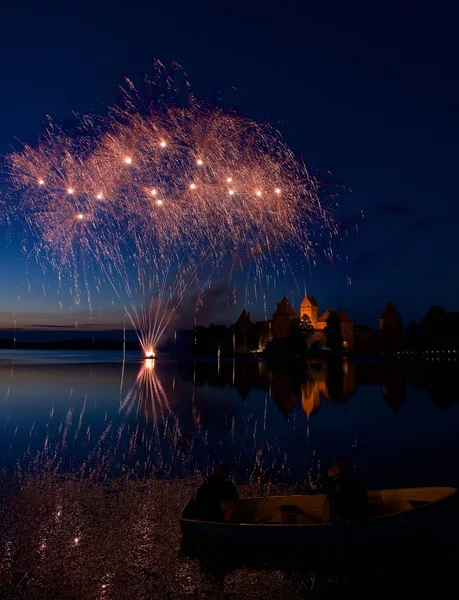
<point>162,191</point>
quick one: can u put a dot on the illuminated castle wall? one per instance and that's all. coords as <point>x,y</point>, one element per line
<point>310,307</point>
<point>254,336</point>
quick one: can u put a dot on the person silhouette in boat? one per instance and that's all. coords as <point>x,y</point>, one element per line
<point>216,497</point>
<point>347,495</point>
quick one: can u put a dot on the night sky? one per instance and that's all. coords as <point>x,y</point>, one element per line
<point>367,90</point>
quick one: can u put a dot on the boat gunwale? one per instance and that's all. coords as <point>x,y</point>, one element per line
<point>452,492</point>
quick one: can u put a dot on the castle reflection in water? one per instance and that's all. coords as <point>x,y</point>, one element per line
<point>267,422</point>
<point>328,382</point>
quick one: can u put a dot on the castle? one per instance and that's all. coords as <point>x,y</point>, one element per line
<point>254,336</point>
<point>310,307</point>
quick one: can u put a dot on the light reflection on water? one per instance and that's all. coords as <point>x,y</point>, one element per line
<point>141,418</point>
<point>102,536</point>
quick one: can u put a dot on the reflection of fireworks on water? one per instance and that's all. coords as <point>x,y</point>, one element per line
<point>148,397</point>
<point>152,194</point>
<point>166,423</point>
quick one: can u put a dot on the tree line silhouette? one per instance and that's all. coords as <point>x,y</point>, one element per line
<point>438,330</point>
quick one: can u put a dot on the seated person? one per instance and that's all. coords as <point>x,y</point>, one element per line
<point>216,497</point>
<point>346,493</point>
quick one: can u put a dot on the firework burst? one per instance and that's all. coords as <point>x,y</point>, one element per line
<point>161,190</point>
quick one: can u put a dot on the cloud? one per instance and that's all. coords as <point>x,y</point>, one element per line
<point>203,307</point>
<point>368,261</point>
<point>207,306</point>
<point>349,222</point>
<point>87,326</point>
<point>58,321</point>
<point>390,209</point>
<point>440,222</point>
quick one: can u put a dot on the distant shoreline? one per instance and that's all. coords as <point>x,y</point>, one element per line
<point>83,344</point>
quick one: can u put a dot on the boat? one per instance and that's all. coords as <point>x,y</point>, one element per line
<point>298,519</point>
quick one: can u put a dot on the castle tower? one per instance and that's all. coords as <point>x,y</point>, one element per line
<point>391,326</point>
<point>310,307</point>
<point>243,323</point>
<point>241,327</point>
<point>282,318</point>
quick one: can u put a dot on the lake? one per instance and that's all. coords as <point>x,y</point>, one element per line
<point>97,455</point>
<point>95,416</point>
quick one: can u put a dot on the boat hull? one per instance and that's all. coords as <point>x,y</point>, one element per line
<point>409,520</point>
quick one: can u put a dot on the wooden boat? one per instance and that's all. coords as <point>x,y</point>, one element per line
<point>290,519</point>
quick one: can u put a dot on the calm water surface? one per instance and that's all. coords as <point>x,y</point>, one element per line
<point>98,456</point>
<point>93,415</point>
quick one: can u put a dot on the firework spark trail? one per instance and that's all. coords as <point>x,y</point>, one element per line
<point>154,191</point>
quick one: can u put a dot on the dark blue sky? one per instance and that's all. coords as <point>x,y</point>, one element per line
<point>369,90</point>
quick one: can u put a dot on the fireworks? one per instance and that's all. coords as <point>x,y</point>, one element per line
<point>163,190</point>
